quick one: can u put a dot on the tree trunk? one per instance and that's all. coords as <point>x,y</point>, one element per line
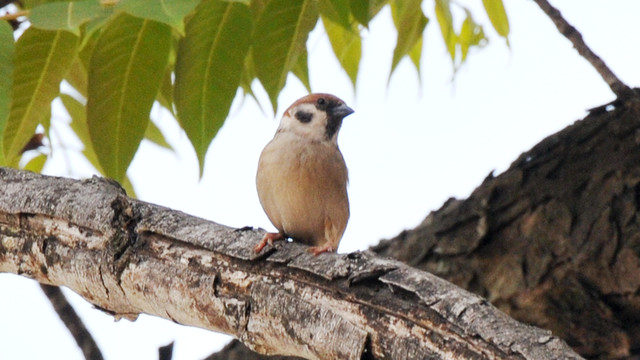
<point>127,257</point>
<point>553,241</point>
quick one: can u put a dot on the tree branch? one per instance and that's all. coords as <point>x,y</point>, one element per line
<point>553,240</point>
<point>129,257</point>
<point>621,90</point>
<point>72,321</point>
<point>166,352</point>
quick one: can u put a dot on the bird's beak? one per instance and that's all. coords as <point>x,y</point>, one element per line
<point>341,111</point>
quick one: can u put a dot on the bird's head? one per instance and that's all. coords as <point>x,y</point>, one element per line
<point>317,117</point>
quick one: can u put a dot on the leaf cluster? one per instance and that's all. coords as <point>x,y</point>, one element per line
<point>117,58</point>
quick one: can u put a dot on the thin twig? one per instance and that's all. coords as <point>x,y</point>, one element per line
<point>73,322</point>
<point>621,90</point>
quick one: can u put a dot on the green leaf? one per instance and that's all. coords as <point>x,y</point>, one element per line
<point>443,14</point>
<point>86,50</point>
<point>154,135</point>
<point>36,164</point>
<point>170,12</point>
<point>338,11</point>
<point>471,34</point>
<point>301,70</point>
<point>498,16</point>
<point>78,114</point>
<point>77,77</point>
<point>347,45</point>
<point>209,68</point>
<point>248,75</point>
<point>91,30</point>
<point>256,7</point>
<point>30,4</point>
<point>45,120</point>
<point>410,22</point>
<point>79,72</point>
<point>416,55</point>
<point>42,60</point>
<point>365,10</point>
<point>65,15</point>
<point>280,37</point>
<point>165,96</point>
<point>7,47</point>
<point>125,72</point>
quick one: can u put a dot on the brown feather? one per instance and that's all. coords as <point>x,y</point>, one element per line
<point>303,189</point>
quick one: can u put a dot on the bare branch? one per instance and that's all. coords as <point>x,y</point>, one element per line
<point>619,88</point>
<point>129,257</point>
<point>72,321</point>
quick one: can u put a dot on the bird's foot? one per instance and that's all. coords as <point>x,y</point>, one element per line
<point>316,250</point>
<point>268,239</point>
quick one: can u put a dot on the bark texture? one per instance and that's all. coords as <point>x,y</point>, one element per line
<point>128,257</point>
<point>553,241</point>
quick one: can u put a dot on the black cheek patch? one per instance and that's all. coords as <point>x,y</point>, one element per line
<point>333,124</point>
<point>303,116</point>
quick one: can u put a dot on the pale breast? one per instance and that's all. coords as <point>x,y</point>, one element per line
<point>300,185</point>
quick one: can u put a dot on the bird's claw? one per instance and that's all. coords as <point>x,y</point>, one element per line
<point>267,239</point>
<point>317,250</point>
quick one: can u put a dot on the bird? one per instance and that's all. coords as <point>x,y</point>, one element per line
<point>302,176</point>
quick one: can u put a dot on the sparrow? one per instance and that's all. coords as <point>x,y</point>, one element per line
<point>302,177</point>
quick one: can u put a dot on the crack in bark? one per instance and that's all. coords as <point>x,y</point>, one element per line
<point>125,239</point>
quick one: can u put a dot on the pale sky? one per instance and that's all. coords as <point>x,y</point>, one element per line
<point>409,146</point>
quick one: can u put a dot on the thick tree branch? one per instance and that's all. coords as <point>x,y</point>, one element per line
<point>72,321</point>
<point>129,257</point>
<point>621,90</point>
<point>555,239</point>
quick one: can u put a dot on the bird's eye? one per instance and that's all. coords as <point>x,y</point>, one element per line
<point>321,101</point>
